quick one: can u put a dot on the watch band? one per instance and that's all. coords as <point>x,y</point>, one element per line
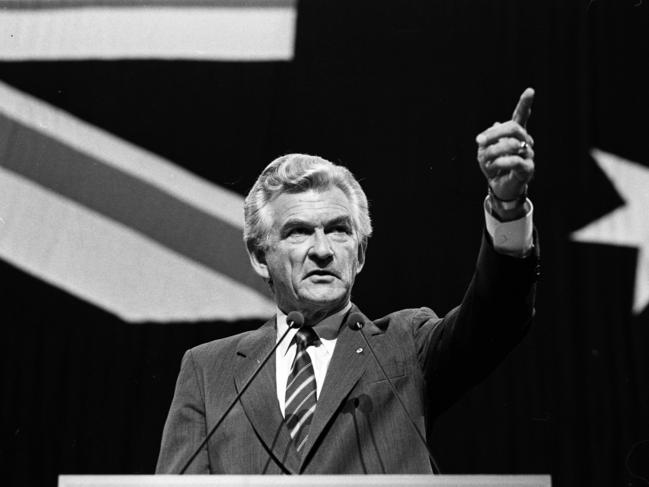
<point>508,204</point>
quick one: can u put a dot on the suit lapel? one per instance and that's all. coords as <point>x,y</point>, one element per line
<point>260,400</point>
<point>345,369</point>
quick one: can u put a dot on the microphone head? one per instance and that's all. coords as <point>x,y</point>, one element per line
<point>295,319</point>
<point>356,321</point>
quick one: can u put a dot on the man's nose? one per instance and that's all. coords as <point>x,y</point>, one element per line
<point>321,248</point>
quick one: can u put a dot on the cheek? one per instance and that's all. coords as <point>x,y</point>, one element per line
<point>287,263</point>
<point>351,258</point>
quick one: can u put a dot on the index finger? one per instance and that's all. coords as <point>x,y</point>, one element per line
<point>524,107</point>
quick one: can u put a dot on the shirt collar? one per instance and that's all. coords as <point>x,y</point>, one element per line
<point>326,329</point>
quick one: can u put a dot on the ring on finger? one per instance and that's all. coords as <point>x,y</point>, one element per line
<point>522,148</point>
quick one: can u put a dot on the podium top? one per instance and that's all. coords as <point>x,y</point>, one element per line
<point>304,480</point>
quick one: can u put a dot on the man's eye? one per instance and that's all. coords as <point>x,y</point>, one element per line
<point>341,229</point>
<point>297,231</point>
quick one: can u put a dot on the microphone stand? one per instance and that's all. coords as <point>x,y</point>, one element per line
<point>357,324</point>
<point>293,321</point>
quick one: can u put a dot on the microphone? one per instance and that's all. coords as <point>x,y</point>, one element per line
<point>295,319</point>
<point>356,322</point>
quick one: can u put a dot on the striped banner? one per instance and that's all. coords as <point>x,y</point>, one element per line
<point>116,225</point>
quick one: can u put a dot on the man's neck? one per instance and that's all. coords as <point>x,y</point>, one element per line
<point>313,317</point>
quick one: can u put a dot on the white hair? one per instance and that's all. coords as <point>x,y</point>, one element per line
<point>296,173</point>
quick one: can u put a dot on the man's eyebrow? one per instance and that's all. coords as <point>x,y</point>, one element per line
<point>293,223</point>
<point>341,220</point>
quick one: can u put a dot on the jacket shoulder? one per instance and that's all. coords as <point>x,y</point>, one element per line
<point>219,352</point>
<point>406,320</point>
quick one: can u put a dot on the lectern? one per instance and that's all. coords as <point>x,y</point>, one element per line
<point>304,480</point>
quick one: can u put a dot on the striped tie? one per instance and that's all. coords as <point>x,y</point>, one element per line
<point>301,389</point>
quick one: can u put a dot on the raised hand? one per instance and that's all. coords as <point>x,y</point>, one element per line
<point>506,154</point>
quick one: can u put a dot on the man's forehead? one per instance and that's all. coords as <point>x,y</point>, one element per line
<point>309,205</point>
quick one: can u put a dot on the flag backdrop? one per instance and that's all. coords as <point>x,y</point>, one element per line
<point>130,132</point>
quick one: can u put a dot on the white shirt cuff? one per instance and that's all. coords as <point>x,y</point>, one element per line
<point>513,237</point>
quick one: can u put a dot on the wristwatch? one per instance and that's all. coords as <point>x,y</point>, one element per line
<point>507,205</point>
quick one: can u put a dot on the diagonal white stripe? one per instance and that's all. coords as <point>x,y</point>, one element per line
<point>299,447</point>
<point>297,391</point>
<point>306,398</point>
<point>288,386</point>
<point>110,265</point>
<point>306,416</point>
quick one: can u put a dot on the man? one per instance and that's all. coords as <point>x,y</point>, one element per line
<point>321,404</point>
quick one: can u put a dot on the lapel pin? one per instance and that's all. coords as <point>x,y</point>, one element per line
<point>359,350</point>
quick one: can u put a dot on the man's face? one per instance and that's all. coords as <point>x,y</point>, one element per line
<point>313,252</point>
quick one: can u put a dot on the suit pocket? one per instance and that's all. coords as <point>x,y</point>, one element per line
<point>393,369</point>
<point>391,355</point>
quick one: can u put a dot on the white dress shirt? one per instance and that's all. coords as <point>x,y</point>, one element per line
<point>511,238</point>
<point>320,352</point>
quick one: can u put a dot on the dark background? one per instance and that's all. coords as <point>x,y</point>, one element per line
<point>397,91</point>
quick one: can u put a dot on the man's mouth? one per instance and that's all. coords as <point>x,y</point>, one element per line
<point>321,273</point>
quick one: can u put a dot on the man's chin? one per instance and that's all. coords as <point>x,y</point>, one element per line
<point>325,301</point>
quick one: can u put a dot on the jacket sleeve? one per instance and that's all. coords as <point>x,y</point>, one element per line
<point>185,427</point>
<point>461,349</point>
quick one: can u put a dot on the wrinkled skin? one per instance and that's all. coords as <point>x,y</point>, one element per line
<point>313,254</point>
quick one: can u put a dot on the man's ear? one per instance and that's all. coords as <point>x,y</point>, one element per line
<point>362,247</point>
<point>258,260</point>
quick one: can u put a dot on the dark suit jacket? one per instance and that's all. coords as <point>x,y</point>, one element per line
<point>358,426</point>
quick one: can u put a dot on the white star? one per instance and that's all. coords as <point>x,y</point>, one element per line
<point>627,226</point>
